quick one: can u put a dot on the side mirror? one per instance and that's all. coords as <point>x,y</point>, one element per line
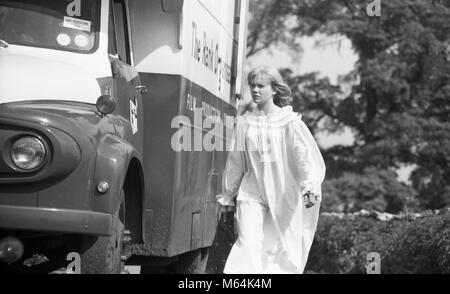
<point>172,6</point>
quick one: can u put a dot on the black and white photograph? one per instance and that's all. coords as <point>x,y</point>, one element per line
<point>234,140</point>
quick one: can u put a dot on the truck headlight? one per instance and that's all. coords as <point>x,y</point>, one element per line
<point>28,152</point>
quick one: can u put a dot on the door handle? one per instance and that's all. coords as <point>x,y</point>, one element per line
<point>141,89</point>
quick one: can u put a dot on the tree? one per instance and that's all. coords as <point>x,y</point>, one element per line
<point>399,106</point>
<point>269,25</point>
<point>373,189</point>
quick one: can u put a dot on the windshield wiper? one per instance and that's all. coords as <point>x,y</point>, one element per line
<point>3,43</point>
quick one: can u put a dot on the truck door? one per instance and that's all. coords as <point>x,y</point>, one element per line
<point>127,86</point>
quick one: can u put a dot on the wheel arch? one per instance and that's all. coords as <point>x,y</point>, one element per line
<point>120,166</point>
<point>133,186</point>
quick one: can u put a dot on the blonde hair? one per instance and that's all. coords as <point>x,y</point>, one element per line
<point>271,75</point>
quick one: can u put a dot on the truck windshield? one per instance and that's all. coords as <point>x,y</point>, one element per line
<point>71,25</point>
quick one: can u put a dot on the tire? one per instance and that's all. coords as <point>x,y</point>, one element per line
<point>104,253</point>
<point>193,262</point>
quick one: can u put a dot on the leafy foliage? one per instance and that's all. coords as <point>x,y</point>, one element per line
<point>267,25</point>
<point>405,245</point>
<point>374,189</point>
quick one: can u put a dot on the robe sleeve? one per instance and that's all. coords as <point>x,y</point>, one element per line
<point>235,165</point>
<point>309,160</point>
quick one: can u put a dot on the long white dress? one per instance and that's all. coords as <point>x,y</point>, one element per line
<point>272,161</point>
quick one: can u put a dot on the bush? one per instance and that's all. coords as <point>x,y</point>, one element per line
<point>413,244</point>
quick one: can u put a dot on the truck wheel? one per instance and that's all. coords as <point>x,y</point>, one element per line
<point>104,253</point>
<point>192,262</point>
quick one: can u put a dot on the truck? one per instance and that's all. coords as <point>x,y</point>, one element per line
<point>105,108</point>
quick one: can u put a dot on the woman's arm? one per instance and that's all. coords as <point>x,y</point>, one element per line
<point>234,168</point>
<point>309,161</point>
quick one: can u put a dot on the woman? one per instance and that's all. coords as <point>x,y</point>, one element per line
<point>275,169</point>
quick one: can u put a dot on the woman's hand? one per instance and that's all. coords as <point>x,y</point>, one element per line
<point>224,210</point>
<point>310,199</point>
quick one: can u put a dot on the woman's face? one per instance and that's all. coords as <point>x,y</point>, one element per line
<point>261,91</point>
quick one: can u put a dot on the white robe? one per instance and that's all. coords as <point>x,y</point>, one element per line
<point>277,158</point>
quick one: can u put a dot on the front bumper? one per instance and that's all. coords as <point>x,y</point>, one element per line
<point>55,220</point>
